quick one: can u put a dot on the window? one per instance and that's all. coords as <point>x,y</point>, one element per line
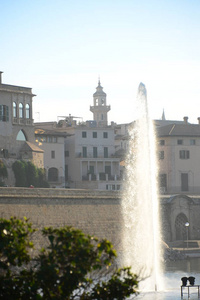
<point>66,153</point>
<point>95,152</point>
<point>84,151</point>
<point>162,142</point>
<point>27,111</point>
<point>91,170</point>
<point>21,110</point>
<point>84,134</point>
<point>184,154</point>
<point>163,182</point>
<point>21,136</point>
<point>184,182</point>
<point>192,142</point>
<point>161,155</point>
<point>102,117</point>
<point>49,139</point>
<point>105,135</point>
<point>14,110</point>
<point>53,154</point>
<point>4,116</point>
<point>179,142</point>
<point>94,134</point>
<point>105,152</point>
<point>54,139</point>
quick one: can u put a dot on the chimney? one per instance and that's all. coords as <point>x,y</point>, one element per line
<point>185,120</point>
<point>0,77</point>
<point>198,120</point>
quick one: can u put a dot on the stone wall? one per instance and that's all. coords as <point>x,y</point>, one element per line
<point>95,212</point>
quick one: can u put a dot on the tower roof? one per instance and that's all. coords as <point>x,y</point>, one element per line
<point>99,90</point>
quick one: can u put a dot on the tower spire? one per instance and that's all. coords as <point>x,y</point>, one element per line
<point>163,115</point>
<point>99,83</point>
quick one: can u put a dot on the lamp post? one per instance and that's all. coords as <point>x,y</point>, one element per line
<point>187,229</point>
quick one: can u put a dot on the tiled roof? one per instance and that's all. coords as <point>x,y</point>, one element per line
<point>179,130</point>
<point>31,147</point>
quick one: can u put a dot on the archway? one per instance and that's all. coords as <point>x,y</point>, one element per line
<point>181,233</point>
<point>53,174</point>
<point>21,136</point>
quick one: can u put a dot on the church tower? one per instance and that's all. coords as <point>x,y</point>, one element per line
<point>99,108</point>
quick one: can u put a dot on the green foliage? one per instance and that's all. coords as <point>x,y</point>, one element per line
<point>71,266</point>
<point>14,242</point>
<point>19,169</point>
<point>26,174</point>
<point>3,172</point>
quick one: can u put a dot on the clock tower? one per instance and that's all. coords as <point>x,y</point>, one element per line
<point>99,108</point>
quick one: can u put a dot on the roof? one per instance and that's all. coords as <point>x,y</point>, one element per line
<point>31,147</point>
<point>167,122</point>
<point>41,131</point>
<point>192,130</point>
<point>99,90</point>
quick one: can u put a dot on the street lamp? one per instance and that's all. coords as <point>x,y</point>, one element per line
<point>187,229</point>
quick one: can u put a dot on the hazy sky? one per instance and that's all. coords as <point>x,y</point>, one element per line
<point>60,48</point>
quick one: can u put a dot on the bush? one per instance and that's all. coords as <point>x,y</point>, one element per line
<point>27,174</point>
<point>71,266</point>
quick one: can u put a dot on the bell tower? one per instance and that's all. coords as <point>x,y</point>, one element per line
<point>99,108</point>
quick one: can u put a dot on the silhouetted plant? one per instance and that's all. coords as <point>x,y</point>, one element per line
<point>66,268</point>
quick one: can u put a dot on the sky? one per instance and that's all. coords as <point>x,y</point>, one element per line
<point>61,48</point>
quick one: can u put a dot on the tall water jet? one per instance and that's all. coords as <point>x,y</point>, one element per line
<point>140,205</point>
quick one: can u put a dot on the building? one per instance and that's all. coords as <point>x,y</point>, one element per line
<point>17,137</point>
<point>91,161</point>
<point>179,157</point>
<point>52,143</point>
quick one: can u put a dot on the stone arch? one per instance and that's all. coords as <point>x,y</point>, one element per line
<point>53,174</point>
<point>180,228</point>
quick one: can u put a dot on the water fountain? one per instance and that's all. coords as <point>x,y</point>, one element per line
<point>140,205</point>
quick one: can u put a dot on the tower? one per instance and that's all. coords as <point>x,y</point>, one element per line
<point>99,108</point>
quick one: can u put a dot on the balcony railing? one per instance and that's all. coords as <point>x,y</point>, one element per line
<point>22,121</point>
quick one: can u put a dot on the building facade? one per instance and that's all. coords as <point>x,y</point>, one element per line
<point>17,137</point>
<point>90,158</point>
<point>179,157</point>
<point>52,143</point>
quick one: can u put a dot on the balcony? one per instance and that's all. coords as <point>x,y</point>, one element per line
<point>22,121</point>
<point>101,177</point>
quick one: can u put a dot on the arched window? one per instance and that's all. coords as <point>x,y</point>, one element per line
<point>21,136</point>
<point>21,110</point>
<point>14,110</point>
<point>27,111</point>
<point>53,174</point>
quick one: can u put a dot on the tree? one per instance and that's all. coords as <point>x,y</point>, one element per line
<point>3,172</point>
<point>19,169</point>
<point>26,174</point>
<point>71,266</point>
<point>31,174</point>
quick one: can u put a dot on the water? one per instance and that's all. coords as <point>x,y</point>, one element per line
<point>141,237</point>
<point>174,271</point>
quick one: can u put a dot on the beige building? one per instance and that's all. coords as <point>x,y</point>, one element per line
<point>179,157</point>
<point>52,143</point>
<point>90,155</point>
<point>17,138</point>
